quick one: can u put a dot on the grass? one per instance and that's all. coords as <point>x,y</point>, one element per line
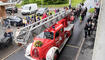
<point>74,3</point>
<point>53,6</point>
<point>91,10</point>
<point>18,5</point>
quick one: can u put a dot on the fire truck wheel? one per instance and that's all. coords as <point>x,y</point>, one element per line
<point>52,53</point>
<point>66,35</point>
<point>56,55</point>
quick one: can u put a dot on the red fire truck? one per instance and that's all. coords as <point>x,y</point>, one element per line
<point>48,44</point>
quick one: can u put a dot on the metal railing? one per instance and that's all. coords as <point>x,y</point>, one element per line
<point>36,28</point>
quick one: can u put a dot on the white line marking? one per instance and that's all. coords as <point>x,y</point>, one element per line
<point>78,53</point>
<point>72,46</point>
<point>12,53</point>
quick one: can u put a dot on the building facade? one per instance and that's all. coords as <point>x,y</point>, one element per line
<point>2,10</point>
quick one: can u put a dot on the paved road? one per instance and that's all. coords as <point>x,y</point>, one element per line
<point>7,50</point>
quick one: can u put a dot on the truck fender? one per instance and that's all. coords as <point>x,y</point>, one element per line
<point>28,49</point>
<point>67,33</point>
<point>51,52</point>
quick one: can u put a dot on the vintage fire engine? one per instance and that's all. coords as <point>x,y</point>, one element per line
<point>48,44</point>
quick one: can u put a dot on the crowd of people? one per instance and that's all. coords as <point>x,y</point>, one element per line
<point>91,24</point>
<point>80,12</point>
<point>29,19</point>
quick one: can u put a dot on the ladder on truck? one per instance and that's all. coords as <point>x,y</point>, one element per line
<point>36,28</point>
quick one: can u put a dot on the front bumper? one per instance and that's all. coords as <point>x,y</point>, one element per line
<point>29,57</point>
<point>38,14</point>
<point>24,13</point>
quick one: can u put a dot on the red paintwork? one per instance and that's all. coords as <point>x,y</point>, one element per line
<point>48,43</point>
<point>72,18</point>
<point>64,22</point>
<point>44,15</point>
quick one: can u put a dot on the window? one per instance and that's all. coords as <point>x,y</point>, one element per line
<point>30,8</point>
<point>57,34</point>
<point>48,35</point>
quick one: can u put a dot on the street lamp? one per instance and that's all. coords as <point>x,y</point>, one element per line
<point>69,2</point>
<point>41,3</point>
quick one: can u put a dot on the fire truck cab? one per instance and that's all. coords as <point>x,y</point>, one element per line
<point>48,44</point>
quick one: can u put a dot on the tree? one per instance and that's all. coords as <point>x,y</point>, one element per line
<point>25,2</point>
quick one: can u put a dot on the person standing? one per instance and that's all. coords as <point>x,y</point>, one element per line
<point>34,18</point>
<point>70,6</point>
<point>50,13</point>
<point>55,11</point>
<point>85,10</point>
<point>86,30</point>
<point>23,22</point>
<point>89,28</point>
<point>89,20</point>
<point>79,10</point>
<point>44,15</point>
<point>38,18</point>
<point>80,18</point>
<point>17,32</point>
<point>9,32</point>
<point>93,27</point>
<point>72,18</point>
<point>64,8</point>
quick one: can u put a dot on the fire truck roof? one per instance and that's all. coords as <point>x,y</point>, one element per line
<point>54,27</point>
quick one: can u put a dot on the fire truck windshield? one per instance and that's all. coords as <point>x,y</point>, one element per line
<point>46,35</point>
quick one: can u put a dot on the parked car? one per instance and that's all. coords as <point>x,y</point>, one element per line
<point>29,9</point>
<point>12,9</point>
<point>5,41</point>
<point>14,21</point>
<point>41,11</point>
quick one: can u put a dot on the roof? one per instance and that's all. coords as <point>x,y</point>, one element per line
<point>3,4</point>
<point>56,28</point>
<point>30,4</point>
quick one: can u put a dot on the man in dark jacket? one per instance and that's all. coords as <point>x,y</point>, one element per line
<point>89,20</point>
<point>89,28</point>
<point>86,30</point>
<point>70,6</point>
<point>8,32</point>
<point>34,18</point>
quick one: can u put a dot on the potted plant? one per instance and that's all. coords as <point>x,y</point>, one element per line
<point>38,43</point>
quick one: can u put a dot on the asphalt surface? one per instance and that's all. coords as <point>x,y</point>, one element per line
<point>7,50</point>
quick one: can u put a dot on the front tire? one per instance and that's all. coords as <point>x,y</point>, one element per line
<point>56,55</point>
<point>15,24</point>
